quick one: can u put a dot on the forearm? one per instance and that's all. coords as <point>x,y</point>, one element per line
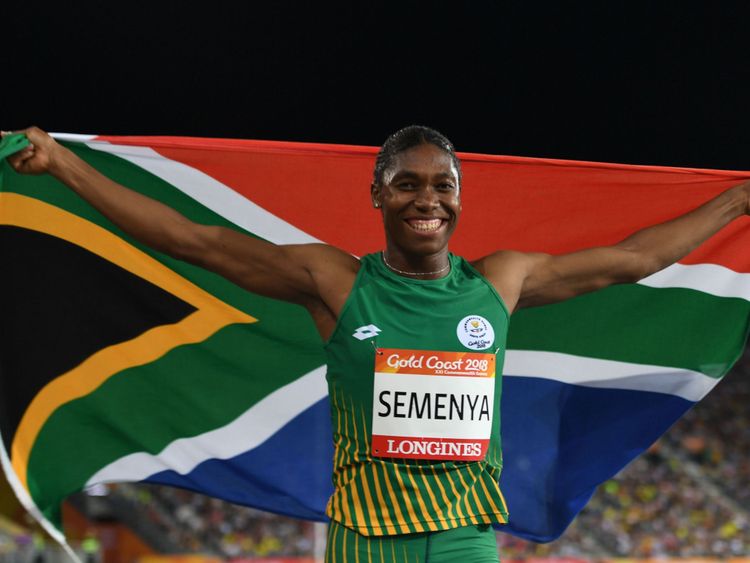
<point>293,273</point>
<point>554,278</point>
<point>661,245</point>
<point>146,219</point>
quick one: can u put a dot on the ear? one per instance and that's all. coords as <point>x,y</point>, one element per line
<point>375,193</point>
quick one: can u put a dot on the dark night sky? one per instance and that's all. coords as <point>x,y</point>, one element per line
<point>651,82</point>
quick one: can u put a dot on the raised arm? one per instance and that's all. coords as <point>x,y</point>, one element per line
<point>312,275</point>
<point>530,279</point>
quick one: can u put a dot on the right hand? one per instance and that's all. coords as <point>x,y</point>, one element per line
<point>39,157</point>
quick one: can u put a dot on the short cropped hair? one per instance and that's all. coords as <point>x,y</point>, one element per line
<point>406,138</point>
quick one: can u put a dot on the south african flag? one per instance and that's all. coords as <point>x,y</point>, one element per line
<point>118,363</point>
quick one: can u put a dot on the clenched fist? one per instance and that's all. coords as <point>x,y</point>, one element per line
<point>40,156</point>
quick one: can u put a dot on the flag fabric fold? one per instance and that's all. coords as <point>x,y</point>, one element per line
<point>119,363</point>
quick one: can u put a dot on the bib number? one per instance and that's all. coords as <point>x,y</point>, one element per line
<point>432,405</point>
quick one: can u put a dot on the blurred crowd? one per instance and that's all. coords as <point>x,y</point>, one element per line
<point>655,509</point>
<point>194,523</point>
<point>717,436</point>
<point>19,544</point>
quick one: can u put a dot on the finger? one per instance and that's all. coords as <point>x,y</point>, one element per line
<point>36,135</point>
<point>18,160</point>
<point>15,163</point>
<point>27,153</point>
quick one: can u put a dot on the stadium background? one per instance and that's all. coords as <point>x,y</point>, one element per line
<point>641,83</point>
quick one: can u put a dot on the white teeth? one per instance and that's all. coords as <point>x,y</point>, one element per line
<point>425,225</point>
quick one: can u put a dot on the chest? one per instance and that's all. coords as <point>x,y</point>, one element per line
<point>465,318</point>
<point>418,366</point>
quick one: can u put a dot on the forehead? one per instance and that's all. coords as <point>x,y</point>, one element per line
<point>424,159</point>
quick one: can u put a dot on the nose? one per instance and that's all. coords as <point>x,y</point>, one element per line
<point>427,199</point>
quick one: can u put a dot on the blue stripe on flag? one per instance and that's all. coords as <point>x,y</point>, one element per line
<point>290,473</point>
<point>560,441</point>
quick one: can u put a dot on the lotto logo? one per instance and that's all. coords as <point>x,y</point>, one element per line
<point>365,332</point>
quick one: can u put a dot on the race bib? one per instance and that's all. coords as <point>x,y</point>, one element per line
<point>432,405</point>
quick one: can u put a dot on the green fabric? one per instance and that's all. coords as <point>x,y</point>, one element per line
<point>468,544</point>
<point>583,326</point>
<point>13,143</point>
<point>387,496</point>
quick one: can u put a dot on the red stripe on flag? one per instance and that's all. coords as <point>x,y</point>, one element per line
<point>516,203</point>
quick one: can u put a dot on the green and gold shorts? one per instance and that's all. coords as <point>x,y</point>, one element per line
<point>468,544</point>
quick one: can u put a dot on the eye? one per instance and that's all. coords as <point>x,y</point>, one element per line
<point>445,187</point>
<point>406,185</point>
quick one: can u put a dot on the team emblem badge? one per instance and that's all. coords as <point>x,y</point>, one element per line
<point>475,332</point>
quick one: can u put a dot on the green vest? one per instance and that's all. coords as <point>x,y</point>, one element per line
<point>412,401</point>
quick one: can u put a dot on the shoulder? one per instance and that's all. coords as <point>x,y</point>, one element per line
<point>319,257</point>
<point>507,271</point>
<point>507,262</point>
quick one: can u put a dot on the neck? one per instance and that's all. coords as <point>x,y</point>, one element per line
<point>423,267</point>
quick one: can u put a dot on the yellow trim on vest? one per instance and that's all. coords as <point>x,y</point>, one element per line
<point>446,501</point>
<point>427,520</point>
<point>457,497</point>
<point>363,475</point>
<point>399,515</point>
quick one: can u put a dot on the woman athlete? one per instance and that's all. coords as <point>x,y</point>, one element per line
<point>414,335</point>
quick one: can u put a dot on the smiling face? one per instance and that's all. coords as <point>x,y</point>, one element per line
<point>420,201</point>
